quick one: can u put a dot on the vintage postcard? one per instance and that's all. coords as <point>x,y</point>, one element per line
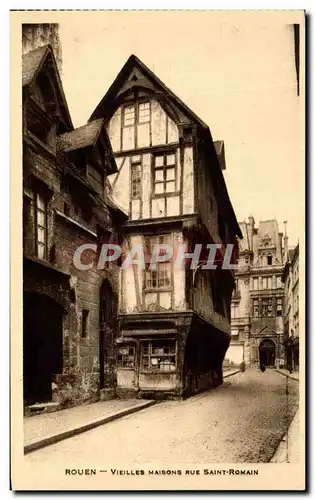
<point>158,250</point>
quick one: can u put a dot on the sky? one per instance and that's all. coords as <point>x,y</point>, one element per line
<point>236,73</point>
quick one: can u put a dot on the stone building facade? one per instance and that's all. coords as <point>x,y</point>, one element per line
<point>41,34</point>
<point>290,280</point>
<point>69,326</point>
<point>174,323</point>
<point>257,332</point>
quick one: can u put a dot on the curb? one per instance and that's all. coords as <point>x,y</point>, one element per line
<point>86,427</point>
<point>288,375</point>
<point>230,374</point>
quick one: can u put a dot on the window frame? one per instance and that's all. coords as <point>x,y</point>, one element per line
<point>44,211</point>
<point>126,345</point>
<point>164,168</point>
<point>148,368</point>
<point>150,242</point>
<point>136,163</point>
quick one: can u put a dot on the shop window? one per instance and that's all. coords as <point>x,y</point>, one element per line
<point>126,356</point>
<point>158,355</point>
<point>164,175</point>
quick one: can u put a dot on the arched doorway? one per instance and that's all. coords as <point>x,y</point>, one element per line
<point>267,352</point>
<point>108,327</point>
<point>42,346</point>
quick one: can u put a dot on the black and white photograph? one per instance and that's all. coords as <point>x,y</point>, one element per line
<point>158,333</point>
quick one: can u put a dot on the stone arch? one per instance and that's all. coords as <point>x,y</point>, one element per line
<point>267,352</point>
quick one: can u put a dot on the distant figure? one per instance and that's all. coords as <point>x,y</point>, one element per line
<point>262,367</point>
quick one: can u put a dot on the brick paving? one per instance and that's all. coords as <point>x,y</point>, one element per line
<point>241,421</point>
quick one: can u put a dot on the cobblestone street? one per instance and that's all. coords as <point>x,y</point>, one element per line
<point>241,421</point>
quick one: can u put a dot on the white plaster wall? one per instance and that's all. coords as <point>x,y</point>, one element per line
<point>188,182</point>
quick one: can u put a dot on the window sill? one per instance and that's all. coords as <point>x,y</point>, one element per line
<point>156,290</point>
<point>74,222</point>
<point>155,372</point>
<point>42,144</point>
<point>167,195</point>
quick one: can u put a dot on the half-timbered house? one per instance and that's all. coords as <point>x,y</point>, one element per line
<point>174,321</point>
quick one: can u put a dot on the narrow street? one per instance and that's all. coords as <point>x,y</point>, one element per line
<point>242,421</point>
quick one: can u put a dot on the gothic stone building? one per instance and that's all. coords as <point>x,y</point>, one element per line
<point>68,321</point>
<point>174,324</point>
<point>257,301</point>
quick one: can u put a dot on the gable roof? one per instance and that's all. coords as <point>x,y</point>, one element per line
<point>154,82</point>
<point>107,105</point>
<point>80,137</point>
<point>32,62</point>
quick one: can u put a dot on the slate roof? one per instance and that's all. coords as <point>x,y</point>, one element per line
<point>31,62</point>
<point>80,137</point>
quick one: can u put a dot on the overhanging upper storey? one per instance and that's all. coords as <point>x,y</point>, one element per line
<point>168,164</point>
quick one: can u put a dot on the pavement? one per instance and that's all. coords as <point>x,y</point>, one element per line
<point>243,420</point>
<point>49,428</point>
<point>289,447</point>
<point>287,373</point>
<point>46,429</point>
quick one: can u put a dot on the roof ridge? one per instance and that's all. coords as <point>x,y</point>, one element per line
<point>82,126</point>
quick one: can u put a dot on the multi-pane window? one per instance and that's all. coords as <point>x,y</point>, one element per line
<point>129,115</point>
<point>256,308</point>
<point>160,277</point>
<point>137,113</point>
<point>164,173</point>
<point>126,356</point>
<point>41,227</point>
<point>136,177</point>
<point>265,307</point>
<point>144,112</point>
<point>279,307</point>
<point>158,355</point>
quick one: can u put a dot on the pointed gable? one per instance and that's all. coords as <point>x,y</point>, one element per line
<point>135,80</point>
<point>37,63</point>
